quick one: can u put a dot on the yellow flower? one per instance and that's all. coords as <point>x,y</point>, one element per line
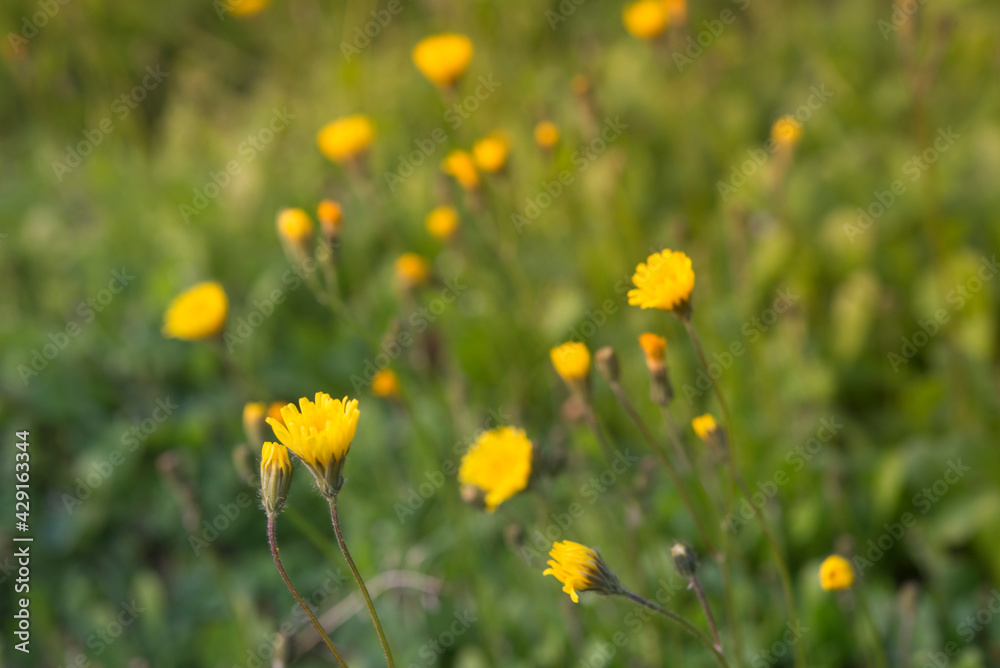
<point>655,347</point>
<point>579,569</point>
<point>346,138</point>
<point>498,463</point>
<point>460,165</point>
<point>275,476</point>
<point>197,313</point>
<point>294,226</point>
<point>320,434</point>
<point>443,58</point>
<point>571,360</point>
<point>665,280</point>
<point>442,222</point>
<point>705,427</point>
<point>246,7</point>
<point>411,269</point>
<point>661,392</point>
<point>835,573</point>
<point>490,152</point>
<point>330,215</point>
<point>646,19</point>
<point>546,134</point>
<point>786,131</point>
<point>253,421</point>
<point>385,383</point>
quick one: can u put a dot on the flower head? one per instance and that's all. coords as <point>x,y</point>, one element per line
<point>580,568</point>
<point>443,58</point>
<point>442,222</point>
<point>275,476</point>
<point>197,313</point>
<point>253,421</point>
<point>835,573</point>
<point>294,226</point>
<point>546,134</point>
<point>646,19</point>
<point>705,426</point>
<point>246,7</point>
<point>786,131</point>
<point>490,152</point>
<point>571,360</point>
<point>346,138</point>
<point>385,383</point>
<point>498,463</point>
<point>654,347</point>
<point>676,10</point>
<point>330,215</point>
<point>462,167</point>
<point>412,269</point>
<point>665,281</point>
<point>320,434</point>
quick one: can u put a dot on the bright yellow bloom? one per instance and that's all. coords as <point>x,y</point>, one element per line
<point>655,347</point>
<point>330,215</point>
<point>385,383</point>
<point>646,19</point>
<point>443,58</point>
<point>275,476</point>
<point>490,152</point>
<point>197,313</point>
<point>442,222</point>
<point>665,280</point>
<point>294,225</point>
<point>786,131</point>
<point>346,138</point>
<point>835,573</point>
<point>571,360</point>
<point>246,7</point>
<point>705,427</point>
<point>274,456</point>
<point>546,134</point>
<point>460,165</point>
<point>498,463</point>
<point>320,434</point>
<point>580,569</point>
<point>412,269</point>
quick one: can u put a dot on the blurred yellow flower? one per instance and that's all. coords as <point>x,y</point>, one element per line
<point>786,131</point>
<point>412,269</point>
<point>197,313</point>
<point>654,347</point>
<point>580,569</point>
<point>498,463</point>
<point>460,165</point>
<point>546,134</point>
<point>443,58</point>
<point>385,383</point>
<point>253,421</point>
<point>664,281</point>
<point>835,573</point>
<point>330,215</point>
<point>275,476</point>
<point>490,152</point>
<point>705,427</point>
<point>646,19</point>
<point>571,360</point>
<point>676,10</point>
<point>246,7</point>
<point>274,410</point>
<point>442,222</point>
<point>294,226</point>
<point>346,138</point>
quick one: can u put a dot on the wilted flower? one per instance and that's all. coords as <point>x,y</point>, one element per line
<point>580,569</point>
<point>197,313</point>
<point>490,152</point>
<point>460,165</point>
<point>786,131</point>
<point>443,58</point>
<point>275,476</point>
<point>646,19</point>
<point>385,383</point>
<point>346,138</point>
<point>498,464</point>
<point>684,558</point>
<point>665,281</point>
<point>412,269</point>
<point>835,573</point>
<point>546,134</point>
<point>442,222</point>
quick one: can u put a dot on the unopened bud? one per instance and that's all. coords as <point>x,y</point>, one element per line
<point>275,477</point>
<point>606,361</point>
<point>685,560</point>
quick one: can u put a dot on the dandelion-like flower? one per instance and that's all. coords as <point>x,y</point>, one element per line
<point>275,476</point>
<point>786,131</point>
<point>490,152</point>
<point>580,569</point>
<point>706,427</point>
<point>646,19</point>
<point>346,138</point>
<point>498,464</point>
<point>546,135</point>
<point>319,433</point>
<point>571,360</point>
<point>462,167</point>
<point>665,281</point>
<point>330,215</point>
<point>385,383</point>
<point>294,226</point>
<point>412,269</point>
<point>654,347</point>
<point>443,58</point>
<point>197,313</point>
<point>246,7</point>
<point>442,222</point>
<point>835,573</point>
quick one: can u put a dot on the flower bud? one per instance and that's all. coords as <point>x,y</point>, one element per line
<point>606,361</point>
<point>685,560</point>
<point>275,477</point>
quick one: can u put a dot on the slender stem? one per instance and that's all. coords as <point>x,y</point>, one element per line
<point>335,519</point>
<point>708,612</point>
<point>273,542</point>
<point>595,427</point>
<point>876,642</point>
<point>682,455</point>
<point>677,619</point>
<point>696,341</point>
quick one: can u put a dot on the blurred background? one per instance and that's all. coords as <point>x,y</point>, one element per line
<point>854,268</point>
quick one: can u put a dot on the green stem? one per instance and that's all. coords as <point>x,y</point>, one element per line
<point>880,660</point>
<point>677,619</point>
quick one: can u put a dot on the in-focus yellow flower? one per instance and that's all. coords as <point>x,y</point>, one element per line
<point>705,426</point>
<point>275,476</point>
<point>253,422</point>
<point>546,134</point>
<point>246,7</point>
<point>197,313</point>
<point>330,215</point>
<point>646,19</point>
<point>571,360</point>
<point>580,569</point>
<point>786,131</point>
<point>460,165</point>
<point>443,58</point>
<point>498,463</point>
<point>665,280</point>
<point>294,226</point>
<point>654,347</point>
<point>442,222</point>
<point>676,10</point>
<point>385,383</point>
<point>835,573</point>
<point>412,269</point>
<point>346,138</point>
<point>319,433</point>
<point>490,152</point>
